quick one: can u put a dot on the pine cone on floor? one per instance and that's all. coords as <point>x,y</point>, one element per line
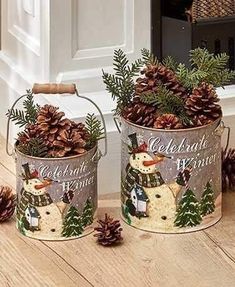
<point>202,105</point>
<point>70,142</point>
<point>168,121</point>
<point>50,123</point>
<point>228,170</point>
<point>109,231</point>
<point>159,74</point>
<point>140,113</point>
<point>7,203</point>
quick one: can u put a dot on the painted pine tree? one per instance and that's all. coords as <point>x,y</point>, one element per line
<point>207,204</point>
<point>72,225</point>
<point>188,211</point>
<point>87,215</point>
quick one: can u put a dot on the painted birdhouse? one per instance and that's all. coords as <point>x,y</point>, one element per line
<point>32,216</point>
<point>140,200</point>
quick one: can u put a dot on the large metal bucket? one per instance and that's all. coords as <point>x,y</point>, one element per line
<point>56,197</point>
<point>171,179</point>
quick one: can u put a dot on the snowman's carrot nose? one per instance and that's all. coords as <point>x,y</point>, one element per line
<point>43,184</point>
<point>152,162</point>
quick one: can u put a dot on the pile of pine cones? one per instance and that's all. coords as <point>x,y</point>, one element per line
<point>200,103</point>
<point>53,135</point>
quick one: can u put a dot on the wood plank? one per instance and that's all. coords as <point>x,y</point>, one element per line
<point>27,262</point>
<point>223,233</point>
<point>148,259</point>
<point>7,161</point>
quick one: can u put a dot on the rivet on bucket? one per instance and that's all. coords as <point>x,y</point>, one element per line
<point>171,179</point>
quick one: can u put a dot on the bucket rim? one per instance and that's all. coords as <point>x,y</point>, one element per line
<point>218,120</point>
<point>56,158</point>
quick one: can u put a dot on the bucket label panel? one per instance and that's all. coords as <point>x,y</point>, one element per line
<point>56,199</point>
<point>171,180</point>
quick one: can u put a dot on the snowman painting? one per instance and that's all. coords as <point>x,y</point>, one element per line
<point>149,203</point>
<point>40,215</point>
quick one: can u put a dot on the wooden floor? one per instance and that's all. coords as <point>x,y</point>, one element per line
<point>200,259</point>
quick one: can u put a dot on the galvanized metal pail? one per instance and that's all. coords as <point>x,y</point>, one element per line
<point>56,197</point>
<point>171,179</point>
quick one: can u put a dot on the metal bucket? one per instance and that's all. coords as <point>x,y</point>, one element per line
<point>56,197</point>
<point>171,179</point>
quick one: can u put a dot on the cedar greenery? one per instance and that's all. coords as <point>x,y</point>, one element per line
<point>205,67</point>
<point>170,63</point>
<point>35,147</point>
<point>94,128</point>
<point>27,115</point>
<point>167,103</point>
<point>149,58</point>
<point>121,84</point>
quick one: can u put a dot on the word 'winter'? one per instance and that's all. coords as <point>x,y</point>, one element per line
<point>78,184</point>
<point>196,162</point>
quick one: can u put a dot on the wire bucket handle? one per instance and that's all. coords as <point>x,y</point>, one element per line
<point>59,89</point>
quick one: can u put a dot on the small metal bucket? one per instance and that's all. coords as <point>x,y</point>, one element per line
<point>171,179</point>
<point>56,197</point>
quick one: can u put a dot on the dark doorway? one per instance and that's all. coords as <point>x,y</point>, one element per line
<point>174,34</point>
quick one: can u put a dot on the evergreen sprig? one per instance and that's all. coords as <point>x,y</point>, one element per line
<point>17,116</point>
<point>170,63</point>
<point>31,109</point>
<point>167,103</point>
<point>26,116</point>
<point>121,84</point>
<point>95,130</point>
<point>205,67</point>
<point>149,58</point>
<point>35,147</point>
<point>190,78</point>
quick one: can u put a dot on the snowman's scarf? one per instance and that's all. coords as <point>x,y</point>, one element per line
<point>33,200</point>
<point>134,176</point>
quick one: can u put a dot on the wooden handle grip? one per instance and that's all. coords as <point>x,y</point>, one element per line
<point>54,88</point>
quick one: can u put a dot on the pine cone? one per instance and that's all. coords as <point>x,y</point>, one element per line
<point>30,132</point>
<point>70,142</point>
<point>50,123</point>
<point>156,75</point>
<point>202,105</point>
<point>168,121</point>
<point>140,113</point>
<point>109,231</point>
<point>7,203</point>
<point>228,170</point>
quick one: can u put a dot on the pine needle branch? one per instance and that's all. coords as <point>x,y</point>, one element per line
<point>95,129</point>
<point>211,68</point>
<point>18,117</point>
<point>30,108</point>
<point>121,84</point>
<point>167,103</point>
<point>170,63</point>
<point>26,116</point>
<point>148,57</point>
<point>35,147</point>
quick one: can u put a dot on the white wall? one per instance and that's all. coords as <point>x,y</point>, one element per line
<point>71,41</point>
